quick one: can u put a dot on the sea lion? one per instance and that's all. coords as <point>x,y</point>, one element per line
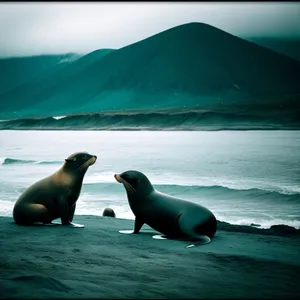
<point>174,217</point>
<point>54,196</point>
<point>108,212</point>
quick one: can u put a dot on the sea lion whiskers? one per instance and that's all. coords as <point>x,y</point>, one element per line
<point>86,164</point>
<point>126,184</point>
<point>129,187</point>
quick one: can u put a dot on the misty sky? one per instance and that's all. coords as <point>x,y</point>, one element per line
<point>61,27</point>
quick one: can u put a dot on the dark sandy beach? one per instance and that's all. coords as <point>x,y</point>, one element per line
<point>99,262</point>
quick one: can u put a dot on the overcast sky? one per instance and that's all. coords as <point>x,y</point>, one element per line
<point>60,27</point>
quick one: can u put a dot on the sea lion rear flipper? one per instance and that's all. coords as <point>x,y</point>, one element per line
<point>187,227</point>
<point>204,240</point>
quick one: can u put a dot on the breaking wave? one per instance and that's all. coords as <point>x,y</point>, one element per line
<point>291,195</point>
<point>160,120</point>
<point>11,161</point>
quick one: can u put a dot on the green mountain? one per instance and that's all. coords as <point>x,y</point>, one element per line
<point>289,47</point>
<point>16,71</point>
<point>192,65</point>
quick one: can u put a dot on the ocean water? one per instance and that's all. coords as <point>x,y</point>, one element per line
<point>243,177</point>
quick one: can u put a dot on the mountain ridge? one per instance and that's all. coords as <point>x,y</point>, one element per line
<point>285,46</point>
<point>193,64</point>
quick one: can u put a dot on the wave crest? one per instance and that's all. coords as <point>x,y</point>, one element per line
<point>172,119</point>
<point>11,161</point>
<point>215,191</point>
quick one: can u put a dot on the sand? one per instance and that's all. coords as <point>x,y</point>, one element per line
<point>99,262</point>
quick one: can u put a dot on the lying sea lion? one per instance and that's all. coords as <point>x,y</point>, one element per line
<point>174,217</point>
<point>54,196</point>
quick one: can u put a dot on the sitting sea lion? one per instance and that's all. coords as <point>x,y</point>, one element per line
<point>174,217</point>
<point>54,196</point>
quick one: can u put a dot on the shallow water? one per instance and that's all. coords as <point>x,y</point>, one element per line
<point>244,177</point>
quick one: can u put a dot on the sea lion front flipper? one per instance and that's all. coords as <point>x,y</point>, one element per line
<point>71,212</point>
<point>137,227</point>
<point>63,210</point>
<point>187,227</point>
<point>75,225</point>
<point>126,231</point>
<point>159,237</point>
<point>64,213</point>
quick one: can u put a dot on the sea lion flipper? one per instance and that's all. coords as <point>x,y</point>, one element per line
<point>204,240</point>
<point>126,231</point>
<point>138,225</point>
<point>71,212</point>
<point>63,209</point>
<point>159,237</point>
<point>75,225</point>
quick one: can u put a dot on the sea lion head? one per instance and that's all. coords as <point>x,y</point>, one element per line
<point>108,212</point>
<point>80,161</point>
<point>135,183</point>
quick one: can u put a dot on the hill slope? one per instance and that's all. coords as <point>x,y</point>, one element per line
<point>16,71</point>
<point>289,47</point>
<point>194,65</point>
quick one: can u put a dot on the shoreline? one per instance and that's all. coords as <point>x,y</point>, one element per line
<point>17,125</point>
<point>45,262</point>
<point>282,230</point>
<point>204,128</point>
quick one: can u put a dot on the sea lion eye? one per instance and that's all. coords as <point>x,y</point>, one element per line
<point>70,159</point>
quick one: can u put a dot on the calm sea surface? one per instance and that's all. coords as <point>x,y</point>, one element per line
<point>244,177</point>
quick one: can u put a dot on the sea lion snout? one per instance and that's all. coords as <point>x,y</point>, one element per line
<point>92,160</point>
<point>118,178</point>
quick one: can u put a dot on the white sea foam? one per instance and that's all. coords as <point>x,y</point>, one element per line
<point>266,223</point>
<point>171,179</point>
<point>236,160</point>
<point>6,208</point>
<point>103,177</point>
<point>58,117</point>
<point>122,212</point>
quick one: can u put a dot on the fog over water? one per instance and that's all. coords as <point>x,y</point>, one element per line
<point>51,28</point>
